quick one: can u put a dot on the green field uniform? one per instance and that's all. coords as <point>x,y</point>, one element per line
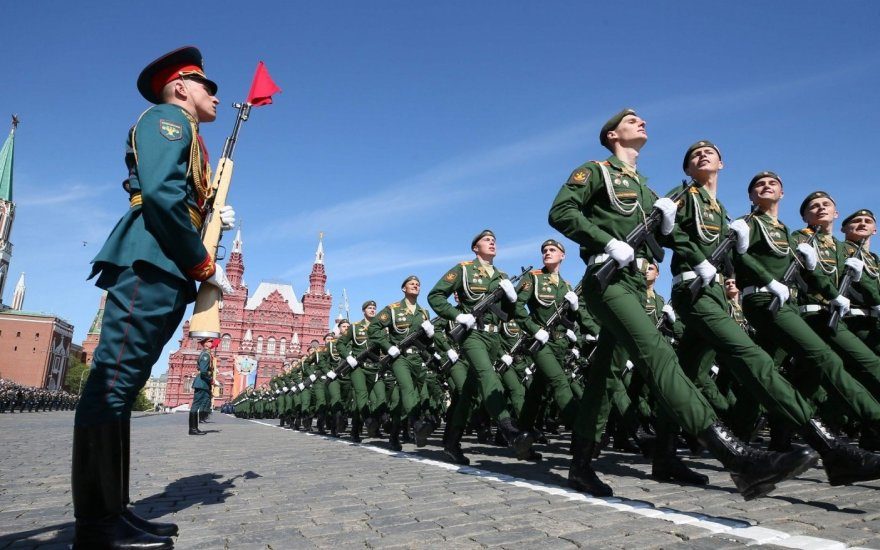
<point>601,201</point>
<point>369,396</point>
<point>202,384</point>
<point>513,375</point>
<point>863,319</point>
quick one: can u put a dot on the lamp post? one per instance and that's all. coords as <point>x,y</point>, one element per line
<point>85,372</point>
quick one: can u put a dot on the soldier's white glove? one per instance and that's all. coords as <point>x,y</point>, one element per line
<point>277,392</point>
<point>669,313</point>
<point>313,378</point>
<point>743,233</point>
<point>715,370</point>
<point>393,351</point>
<point>509,291</point>
<point>219,280</point>
<point>286,389</point>
<point>668,208</point>
<point>227,217</point>
<point>576,352</point>
<point>466,319</point>
<point>331,375</point>
<point>779,290</point>
<point>507,359</point>
<point>841,303</point>
<point>856,265</point>
<point>808,253</point>
<point>629,365</point>
<point>620,252</point>
<point>542,336</point>
<point>706,272</point>
<point>589,338</point>
<point>301,386</point>
<point>571,335</point>
<point>572,300</point>
<point>352,362</point>
<point>453,355</point>
<point>428,328</point>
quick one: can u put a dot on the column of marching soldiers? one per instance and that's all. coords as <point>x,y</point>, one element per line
<point>765,329</point>
<point>17,397</point>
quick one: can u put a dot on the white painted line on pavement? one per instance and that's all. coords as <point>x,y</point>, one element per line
<point>740,529</point>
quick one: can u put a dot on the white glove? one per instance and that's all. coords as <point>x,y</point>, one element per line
<point>715,370</point>
<point>572,299</point>
<point>620,252</point>
<point>286,389</point>
<point>808,253</point>
<point>352,362</point>
<point>428,328</point>
<point>705,271</point>
<point>331,375</point>
<point>589,338</point>
<point>629,365</point>
<point>668,208</point>
<point>393,351</point>
<point>857,266</point>
<point>507,360</point>
<point>842,304</point>
<point>571,335</point>
<point>542,336</point>
<point>509,291</point>
<point>453,356</point>
<point>743,232</point>
<point>576,352</point>
<point>277,391</point>
<point>312,377</point>
<point>466,319</point>
<point>227,217</point>
<point>669,313</point>
<point>301,386</point>
<point>779,290</point>
<point>529,371</point>
<point>219,280</point>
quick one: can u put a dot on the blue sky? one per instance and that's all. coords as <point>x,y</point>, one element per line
<point>406,127</point>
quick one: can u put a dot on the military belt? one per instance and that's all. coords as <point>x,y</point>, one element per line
<point>811,308</point>
<point>488,328</point>
<point>861,312</point>
<point>136,199</point>
<point>686,276</point>
<point>753,289</point>
<point>641,263</point>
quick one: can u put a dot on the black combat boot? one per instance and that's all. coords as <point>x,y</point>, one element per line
<point>754,472</point>
<point>869,439</point>
<point>333,424</point>
<point>371,424</point>
<point>297,422</point>
<point>844,464</point>
<point>281,420</point>
<point>194,424</point>
<point>394,436</point>
<point>356,425</point>
<point>780,437</point>
<point>581,475</point>
<point>341,422</point>
<point>152,527</point>
<point>667,466</point>
<point>320,424</point>
<point>405,432</point>
<point>307,423</point>
<point>520,441</point>
<point>452,446</point>
<point>96,483</point>
<point>499,440</point>
<point>421,429</point>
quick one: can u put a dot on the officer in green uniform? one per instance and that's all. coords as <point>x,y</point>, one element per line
<point>514,365</point>
<point>863,318</point>
<point>148,265</point>
<point>309,372</point>
<point>388,329</point>
<point>202,386</point>
<point>597,208</point>
<point>541,293</point>
<point>369,394</point>
<point>760,269</point>
<point>471,281</point>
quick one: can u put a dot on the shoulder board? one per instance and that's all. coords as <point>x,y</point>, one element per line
<point>536,272</point>
<point>466,262</point>
<point>694,191</point>
<point>394,305</point>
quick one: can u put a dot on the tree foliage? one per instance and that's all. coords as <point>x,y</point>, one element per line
<point>72,379</point>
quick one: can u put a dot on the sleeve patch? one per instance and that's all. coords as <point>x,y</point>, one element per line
<point>579,176</point>
<point>384,317</point>
<point>170,130</point>
<point>451,276</point>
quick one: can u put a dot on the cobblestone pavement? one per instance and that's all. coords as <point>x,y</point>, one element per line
<point>251,485</point>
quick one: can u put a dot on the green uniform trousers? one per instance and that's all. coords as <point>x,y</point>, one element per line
<point>201,400</point>
<point>411,377</point>
<point>369,395</point>
<point>867,329</point>
<point>482,350</point>
<point>858,359</point>
<point>549,374</point>
<point>512,380</point>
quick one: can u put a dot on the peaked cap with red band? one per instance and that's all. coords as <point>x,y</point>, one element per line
<point>183,62</point>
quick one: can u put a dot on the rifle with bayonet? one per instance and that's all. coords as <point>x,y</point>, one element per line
<point>845,283</point>
<point>486,304</point>
<point>791,273</point>
<point>720,253</point>
<point>642,234</point>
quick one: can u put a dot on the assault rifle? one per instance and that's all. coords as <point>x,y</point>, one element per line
<point>554,318</point>
<point>791,273</point>
<point>719,254</point>
<point>845,283</point>
<point>501,367</point>
<point>640,235</point>
<point>411,339</point>
<point>486,304</point>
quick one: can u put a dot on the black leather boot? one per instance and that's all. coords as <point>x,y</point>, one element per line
<point>356,425</point>
<point>371,424</point>
<point>581,475</point>
<point>394,436</point>
<point>194,424</point>
<point>667,466</point>
<point>452,446</point>
<point>307,423</point>
<point>341,422</point>
<point>152,527</point>
<point>520,441</point>
<point>320,424</point>
<point>869,439</point>
<point>297,422</point>
<point>754,472</point>
<point>333,424</point>
<point>844,464</point>
<point>421,429</point>
<point>96,483</point>
<point>780,438</point>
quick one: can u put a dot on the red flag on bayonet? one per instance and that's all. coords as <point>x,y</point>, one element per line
<point>262,87</point>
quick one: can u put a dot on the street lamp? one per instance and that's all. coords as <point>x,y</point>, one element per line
<point>85,372</point>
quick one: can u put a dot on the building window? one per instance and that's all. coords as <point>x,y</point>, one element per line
<point>282,349</point>
<point>37,336</point>
<point>259,344</point>
<point>270,345</point>
<point>18,334</point>
<point>226,344</point>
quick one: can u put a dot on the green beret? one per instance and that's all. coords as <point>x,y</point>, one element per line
<point>408,279</point>
<point>480,235</point>
<point>811,196</point>
<point>856,214</point>
<point>553,242</point>
<point>694,147</point>
<point>612,123</point>
<point>764,174</point>
<point>330,335</point>
<point>368,303</point>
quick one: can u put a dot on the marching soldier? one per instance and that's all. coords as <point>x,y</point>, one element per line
<point>149,266</point>
<point>599,205</point>
<point>201,386</point>
<point>864,312</point>
<point>369,392</point>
